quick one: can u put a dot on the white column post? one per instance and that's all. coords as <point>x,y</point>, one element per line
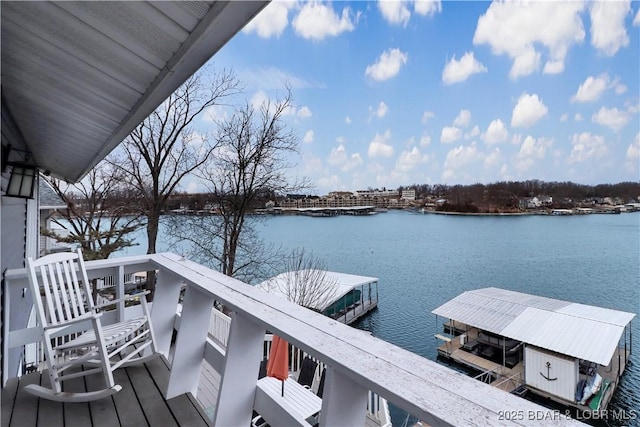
<point>163,309</point>
<point>120,293</point>
<point>240,374</point>
<point>344,402</point>
<point>190,343</point>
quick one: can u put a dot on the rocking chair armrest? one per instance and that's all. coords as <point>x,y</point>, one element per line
<point>125,298</point>
<point>82,318</point>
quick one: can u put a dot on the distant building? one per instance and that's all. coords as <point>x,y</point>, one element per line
<point>408,195</point>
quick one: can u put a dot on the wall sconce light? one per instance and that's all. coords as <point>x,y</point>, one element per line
<point>23,175</point>
<point>21,181</point>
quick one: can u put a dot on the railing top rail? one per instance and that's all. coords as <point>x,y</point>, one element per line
<point>422,387</point>
<point>433,393</point>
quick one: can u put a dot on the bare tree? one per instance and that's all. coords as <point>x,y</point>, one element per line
<point>100,213</point>
<point>163,150</point>
<point>253,152</point>
<point>305,281</point>
<point>200,237</point>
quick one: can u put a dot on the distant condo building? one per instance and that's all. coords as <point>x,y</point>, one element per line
<point>340,199</point>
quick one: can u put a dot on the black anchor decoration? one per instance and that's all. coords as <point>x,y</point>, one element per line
<point>548,376</point>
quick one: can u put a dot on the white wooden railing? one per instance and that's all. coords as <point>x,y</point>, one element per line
<point>377,409</point>
<point>356,362</point>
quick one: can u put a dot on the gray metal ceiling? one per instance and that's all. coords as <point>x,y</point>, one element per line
<point>77,77</point>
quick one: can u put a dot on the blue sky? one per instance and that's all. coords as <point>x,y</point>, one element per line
<point>394,93</point>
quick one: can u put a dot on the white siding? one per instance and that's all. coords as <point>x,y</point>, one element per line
<point>563,368</point>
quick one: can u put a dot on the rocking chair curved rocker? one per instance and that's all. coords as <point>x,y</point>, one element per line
<point>72,331</point>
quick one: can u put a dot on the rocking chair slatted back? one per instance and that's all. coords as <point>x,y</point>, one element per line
<point>73,335</point>
<point>67,296</point>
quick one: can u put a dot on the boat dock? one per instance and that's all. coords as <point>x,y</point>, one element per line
<point>493,373</point>
<point>343,297</point>
<point>571,353</point>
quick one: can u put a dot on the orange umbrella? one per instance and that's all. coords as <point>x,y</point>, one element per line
<point>278,365</point>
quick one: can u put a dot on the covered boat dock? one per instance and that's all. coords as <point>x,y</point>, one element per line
<point>344,297</point>
<point>571,353</point>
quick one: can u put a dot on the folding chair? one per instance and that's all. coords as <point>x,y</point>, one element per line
<point>72,331</point>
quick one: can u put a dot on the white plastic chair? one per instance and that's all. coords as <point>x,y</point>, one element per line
<point>73,333</point>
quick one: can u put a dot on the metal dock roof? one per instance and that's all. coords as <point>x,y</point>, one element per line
<point>578,330</point>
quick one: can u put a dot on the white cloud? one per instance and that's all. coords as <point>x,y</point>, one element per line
<point>496,133</point>
<point>493,159</point>
<point>586,146</point>
<point>215,113</point>
<point>517,28</point>
<point>618,87</point>
<point>308,137</point>
<point>273,78</point>
<point>408,160</point>
<point>611,118</point>
<point>531,150</point>
<point>633,154</point>
<point>347,120</point>
<point>564,117</point>
<point>304,112</point>
<point>608,31</point>
<point>450,134</point>
<point>380,146</point>
<point>636,20</point>
<point>395,11</point>
<point>591,89</point>
<point>578,117</point>
<point>258,99</point>
<point>427,7</point>
<point>456,71</point>
<point>458,159</point>
<point>426,116</point>
<point>463,119</point>
<point>425,140</point>
<point>379,112</point>
<point>528,111</point>
<point>388,65</point>
<point>317,20</point>
<point>339,157</point>
<point>472,133</point>
<point>271,21</point>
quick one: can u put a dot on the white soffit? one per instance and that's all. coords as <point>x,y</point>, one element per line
<point>77,77</point>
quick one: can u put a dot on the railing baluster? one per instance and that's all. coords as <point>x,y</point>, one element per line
<point>344,402</point>
<point>163,309</point>
<point>190,343</point>
<point>238,383</point>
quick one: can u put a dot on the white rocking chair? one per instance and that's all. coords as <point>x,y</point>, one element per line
<point>72,331</point>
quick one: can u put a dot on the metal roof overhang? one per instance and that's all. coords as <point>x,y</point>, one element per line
<point>77,77</point>
<point>578,330</point>
<point>342,284</point>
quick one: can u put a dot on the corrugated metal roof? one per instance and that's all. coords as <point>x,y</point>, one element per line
<point>342,283</point>
<point>77,77</point>
<point>582,331</point>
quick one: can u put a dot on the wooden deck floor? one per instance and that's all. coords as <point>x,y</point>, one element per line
<point>139,403</point>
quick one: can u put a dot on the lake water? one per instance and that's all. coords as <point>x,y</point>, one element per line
<point>423,261</point>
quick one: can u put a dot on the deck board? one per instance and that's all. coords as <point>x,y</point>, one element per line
<point>139,403</point>
<point>150,398</point>
<point>75,415</point>
<point>8,399</point>
<point>25,409</point>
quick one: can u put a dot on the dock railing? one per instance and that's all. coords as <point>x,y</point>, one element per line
<point>356,362</point>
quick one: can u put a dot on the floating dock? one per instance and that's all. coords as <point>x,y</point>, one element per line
<point>573,354</point>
